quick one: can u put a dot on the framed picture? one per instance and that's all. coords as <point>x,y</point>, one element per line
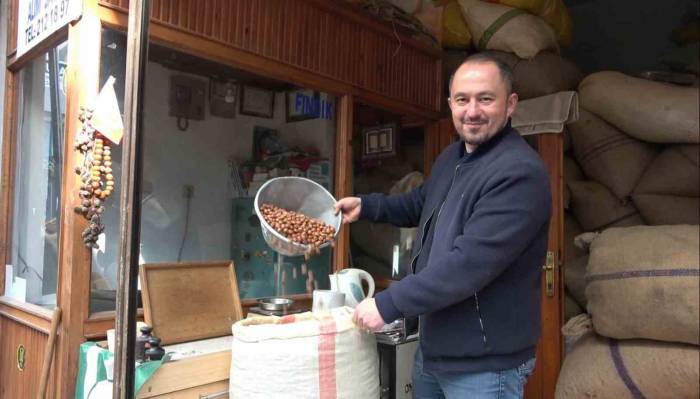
<point>223,98</point>
<point>256,101</point>
<point>379,141</point>
<point>302,104</point>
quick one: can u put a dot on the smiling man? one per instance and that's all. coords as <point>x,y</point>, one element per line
<point>483,218</point>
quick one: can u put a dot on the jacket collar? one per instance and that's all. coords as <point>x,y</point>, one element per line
<point>483,148</point>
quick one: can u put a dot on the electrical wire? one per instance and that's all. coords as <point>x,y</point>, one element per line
<point>184,233</point>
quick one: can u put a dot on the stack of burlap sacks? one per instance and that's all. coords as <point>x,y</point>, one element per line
<point>525,34</point>
<point>632,271</point>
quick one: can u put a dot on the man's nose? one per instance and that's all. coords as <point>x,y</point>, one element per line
<point>472,109</point>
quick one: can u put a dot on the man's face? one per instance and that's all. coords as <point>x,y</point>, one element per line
<point>480,102</point>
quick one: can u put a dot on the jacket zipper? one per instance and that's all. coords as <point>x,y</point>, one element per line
<point>476,297</point>
<point>427,223</point>
<point>454,177</point>
<point>481,321</point>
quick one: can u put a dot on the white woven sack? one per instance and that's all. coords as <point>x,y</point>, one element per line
<point>303,356</point>
<point>650,111</point>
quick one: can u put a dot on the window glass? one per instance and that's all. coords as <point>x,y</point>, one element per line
<point>212,136</point>
<point>106,257</point>
<point>39,163</point>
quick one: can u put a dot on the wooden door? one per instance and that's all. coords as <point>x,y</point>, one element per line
<point>550,347</point>
<point>19,373</point>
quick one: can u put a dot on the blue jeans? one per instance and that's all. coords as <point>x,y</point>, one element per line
<point>503,384</point>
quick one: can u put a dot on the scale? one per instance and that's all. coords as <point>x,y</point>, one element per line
<point>279,292</point>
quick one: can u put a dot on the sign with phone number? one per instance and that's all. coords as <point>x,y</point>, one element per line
<point>38,19</point>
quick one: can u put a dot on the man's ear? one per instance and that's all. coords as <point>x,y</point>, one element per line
<point>512,103</point>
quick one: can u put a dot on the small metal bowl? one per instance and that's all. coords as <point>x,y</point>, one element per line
<point>275,303</point>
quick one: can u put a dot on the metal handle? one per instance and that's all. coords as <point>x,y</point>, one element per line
<point>214,395</point>
<point>549,274</point>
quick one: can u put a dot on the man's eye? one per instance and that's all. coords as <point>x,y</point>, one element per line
<point>486,99</point>
<point>460,100</point>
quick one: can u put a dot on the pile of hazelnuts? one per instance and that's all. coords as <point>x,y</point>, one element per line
<point>298,228</point>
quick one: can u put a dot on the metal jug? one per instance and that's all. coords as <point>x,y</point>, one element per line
<point>349,282</point>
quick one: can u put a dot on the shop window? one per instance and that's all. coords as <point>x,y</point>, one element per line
<point>212,136</point>
<point>390,161</point>
<point>39,163</point>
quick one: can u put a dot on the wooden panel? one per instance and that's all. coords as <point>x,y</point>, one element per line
<point>190,301</point>
<point>15,383</point>
<point>438,135</point>
<point>343,174</point>
<point>9,143</point>
<point>11,26</point>
<point>82,77</point>
<point>550,350</point>
<point>330,40</point>
<point>28,314</point>
<point>199,371</point>
<point>212,389</point>
<point>430,134</point>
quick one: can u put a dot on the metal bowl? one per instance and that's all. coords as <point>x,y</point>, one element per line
<point>296,194</point>
<point>275,303</point>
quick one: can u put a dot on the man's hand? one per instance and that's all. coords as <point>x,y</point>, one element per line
<point>350,206</point>
<point>367,316</point>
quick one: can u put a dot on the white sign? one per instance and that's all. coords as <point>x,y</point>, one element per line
<point>38,19</point>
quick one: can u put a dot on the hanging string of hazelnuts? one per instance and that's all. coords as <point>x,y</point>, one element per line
<point>97,181</point>
<point>299,228</point>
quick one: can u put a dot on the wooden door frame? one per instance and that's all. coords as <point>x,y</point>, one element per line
<point>550,349</point>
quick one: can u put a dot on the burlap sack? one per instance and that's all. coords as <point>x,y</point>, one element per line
<point>607,155</point>
<point>642,282</point>
<point>650,111</point>
<point>544,74</point>
<point>498,27</point>
<point>571,308</point>
<point>668,191</point>
<point>571,229</point>
<point>659,209</point>
<point>572,172</point>
<point>376,240</point>
<point>596,208</point>
<point>575,279</point>
<point>598,367</point>
<point>675,171</point>
<point>567,141</point>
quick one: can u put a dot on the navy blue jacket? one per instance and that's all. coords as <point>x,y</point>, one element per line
<point>483,222</point>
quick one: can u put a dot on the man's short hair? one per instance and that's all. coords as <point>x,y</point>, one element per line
<point>483,58</point>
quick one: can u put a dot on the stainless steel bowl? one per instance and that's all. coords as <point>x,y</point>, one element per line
<point>275,303</point>
<point>300,195</point>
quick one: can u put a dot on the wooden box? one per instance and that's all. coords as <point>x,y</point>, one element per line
<point>191,307</point>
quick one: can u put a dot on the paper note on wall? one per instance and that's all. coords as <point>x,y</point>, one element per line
<point>107,119</point>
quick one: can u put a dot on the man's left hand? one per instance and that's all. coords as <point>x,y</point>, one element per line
<point>367,316</point>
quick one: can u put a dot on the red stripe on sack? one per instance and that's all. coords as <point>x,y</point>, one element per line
<point>288,319</point>
<point>326,359</point>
